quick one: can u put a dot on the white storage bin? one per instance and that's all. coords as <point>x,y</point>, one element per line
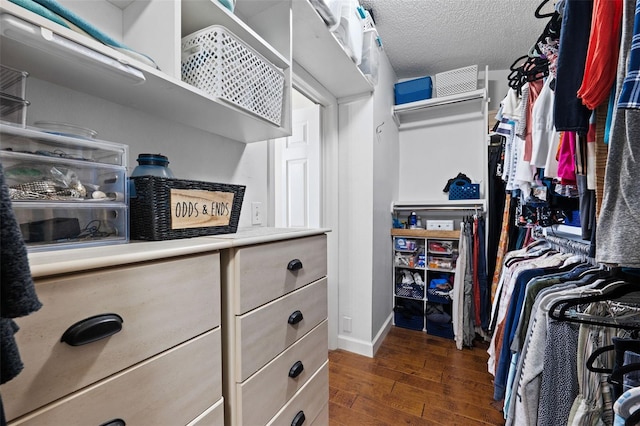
<point>330,11</point>
<point>367,20</point>
<point>220,64</point>
<point>371,48</point>
<point>456,81</point>
<point>350,30</point>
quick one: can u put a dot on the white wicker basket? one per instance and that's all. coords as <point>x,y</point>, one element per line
<point>456,81</point>
<point>219,63</point>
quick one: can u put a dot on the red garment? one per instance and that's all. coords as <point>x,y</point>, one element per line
<point>602,54</point>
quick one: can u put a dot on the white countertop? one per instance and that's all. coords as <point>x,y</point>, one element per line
<point>64,261</point>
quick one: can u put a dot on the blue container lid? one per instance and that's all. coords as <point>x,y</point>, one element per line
<point>153,160</point>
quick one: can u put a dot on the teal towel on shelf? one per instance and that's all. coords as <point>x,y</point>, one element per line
<point>59,14</point>
<point>40,10</point>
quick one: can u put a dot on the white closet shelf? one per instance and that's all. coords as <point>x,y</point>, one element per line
<point>424,109</point>
<point>439,205</point>
<point>156,93</point>
<point>318,51</point>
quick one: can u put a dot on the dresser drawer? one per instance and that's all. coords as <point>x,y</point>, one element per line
<point>162,304</point>
<point>309,401</point>
<point>322,419</point>
<point>265,332</point>
<point>262,273</point>
<point>214,416</point>
<point>310,353</point>
<point>169,389</point>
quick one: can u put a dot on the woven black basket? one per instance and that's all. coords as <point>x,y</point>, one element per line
<point>150,208</point>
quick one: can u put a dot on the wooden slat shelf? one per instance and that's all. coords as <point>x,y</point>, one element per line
<point>423,233</point>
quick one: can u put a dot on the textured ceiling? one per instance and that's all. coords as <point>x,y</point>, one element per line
<point>425,37</point>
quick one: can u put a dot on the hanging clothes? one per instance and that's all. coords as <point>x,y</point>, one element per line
<point>502,245</point>
<point>546,385</point>
<point>497,200</point>
<point>527,384</point>
<point>535,87</point>
<point>457,293</point>
<point>514,292</point>
<point>602,53</point>
<point>468,333</point>
<point>617,234</point>
<point>569,112</point>
<point>629,97</point>
<point>545,138</point>
<point>482,299</point>
<point>566,158</point>
<point>559,385</point>
<point>594,399</point>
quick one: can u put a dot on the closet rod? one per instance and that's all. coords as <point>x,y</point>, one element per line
<point>477,207</point>
<point>480,94</point>
<point>477,204</point>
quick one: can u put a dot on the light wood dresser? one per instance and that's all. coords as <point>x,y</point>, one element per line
<point>275,337</point>
<point>137,344</point>
<point>162,333</point>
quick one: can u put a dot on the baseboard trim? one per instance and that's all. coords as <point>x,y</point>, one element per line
<point>362,347</point>
<point>382,333</point>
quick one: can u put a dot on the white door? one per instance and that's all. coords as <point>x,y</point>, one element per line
<point>297,171</point>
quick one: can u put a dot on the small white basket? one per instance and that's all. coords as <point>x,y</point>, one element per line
<point>456,81</point>
<point>219,63</point>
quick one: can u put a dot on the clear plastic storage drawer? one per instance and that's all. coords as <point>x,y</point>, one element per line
<point>57,145</point>
<point>65,191</point>
<point>13,82</point>
<point>43,178</point>
<point>48,225</point>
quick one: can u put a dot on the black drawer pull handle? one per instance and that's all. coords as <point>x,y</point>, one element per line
<point>294,265</point>
<point>295,317</point>
<point>299,419</point>
<point>91,329</point>
<point>296,369</point>
<point>114,422</point>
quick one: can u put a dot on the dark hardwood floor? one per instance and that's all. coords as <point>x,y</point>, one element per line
<point>414,379</point>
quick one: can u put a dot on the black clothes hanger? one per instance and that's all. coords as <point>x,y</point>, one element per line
<point>617,291</point>
<point>594,355</point>
<point>620,346</point>
<point>531,69</point>
<point>551,32</point>
<point>538,11</point>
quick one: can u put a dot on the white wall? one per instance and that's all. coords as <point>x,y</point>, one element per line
<point>356,223</point>
<point>193,154</point>
<point>368,176</point>
<point>385,190</point>
<point>436,151</point>
<point>497,89</point>
<point>448,142</point>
